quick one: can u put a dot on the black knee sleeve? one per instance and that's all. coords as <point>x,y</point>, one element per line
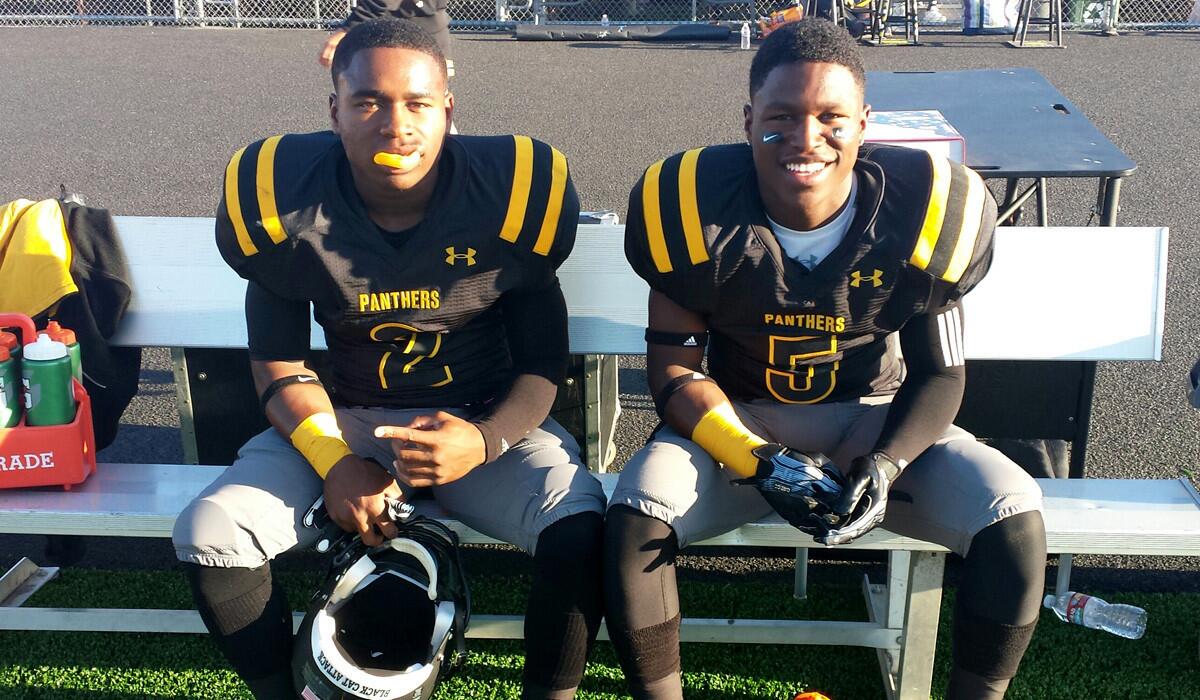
<point>565,603</point>
<point>247,615</point>
<point>989,649</point>
<point>1000,596</point>
<point>1004,573</point>
<point>641,597</point>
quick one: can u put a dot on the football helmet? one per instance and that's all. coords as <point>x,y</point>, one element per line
<point>388,622</point>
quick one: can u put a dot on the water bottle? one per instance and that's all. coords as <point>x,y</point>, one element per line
<point>1123,620</point>
<point>66,336</point>
<point>46,376</point>
<point>745,35</point>
<point>604,21</point>
<point>10,389</point>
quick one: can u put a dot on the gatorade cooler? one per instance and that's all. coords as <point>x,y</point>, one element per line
<point>49,455</point>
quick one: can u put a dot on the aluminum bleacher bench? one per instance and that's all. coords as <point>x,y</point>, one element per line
<point>184,296</point>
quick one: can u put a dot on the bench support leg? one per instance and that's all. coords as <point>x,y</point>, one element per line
<point>601,407</point>
<point>183,402</point>
<point>1062,582</point>
<point>22,581</point>
<point>800,585</point>
<point>886,604</point>
<point>919,640</point>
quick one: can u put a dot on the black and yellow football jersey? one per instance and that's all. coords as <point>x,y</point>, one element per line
<point>921,238</point>
<point>411,319</point>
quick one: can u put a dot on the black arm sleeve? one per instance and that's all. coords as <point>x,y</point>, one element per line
<point>535,323</point>
<point>277,328</point>
<point>931,394</point>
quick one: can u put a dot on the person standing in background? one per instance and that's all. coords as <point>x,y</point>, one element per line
<point>430,15</point>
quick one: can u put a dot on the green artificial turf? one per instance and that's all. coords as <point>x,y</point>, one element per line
<point>1064,661</point>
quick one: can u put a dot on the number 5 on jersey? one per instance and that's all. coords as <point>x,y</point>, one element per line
<point>808,378</point>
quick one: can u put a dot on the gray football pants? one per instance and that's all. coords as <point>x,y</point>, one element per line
<point>953,490</point>
<point>253,511</point>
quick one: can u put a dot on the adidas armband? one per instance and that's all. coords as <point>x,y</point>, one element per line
<point>679,340</point>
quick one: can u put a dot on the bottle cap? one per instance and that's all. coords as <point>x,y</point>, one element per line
<point>45,349</point>
<point>8,340</point>
<point>4,354</point>
<point>66,336</point>
<point>1049,601</point>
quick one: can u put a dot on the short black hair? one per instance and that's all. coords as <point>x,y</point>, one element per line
<point>812,39</point>
<point>385,33</point>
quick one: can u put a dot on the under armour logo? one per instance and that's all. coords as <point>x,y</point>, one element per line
<point>857,278</point>
<point>452,257</point>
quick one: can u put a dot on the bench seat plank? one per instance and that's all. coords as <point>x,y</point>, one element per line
<point>1090,516</point>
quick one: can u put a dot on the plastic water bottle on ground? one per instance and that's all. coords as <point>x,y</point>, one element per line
<point>745,35</point>
<point>604,21</point>
<point>1123,620</point>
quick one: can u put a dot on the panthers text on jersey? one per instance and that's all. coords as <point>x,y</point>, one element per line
<point>921,238</point>
<point>414,321</point>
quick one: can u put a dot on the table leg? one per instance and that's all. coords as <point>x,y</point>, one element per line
<point>1043,213</point>
<point>1111,192</point>
<point>1010,196</point>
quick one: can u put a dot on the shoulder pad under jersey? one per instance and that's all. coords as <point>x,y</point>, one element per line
<point>265,184</point>
<point>683,199</point>
<point>533,192</point>
<point>952,211</point>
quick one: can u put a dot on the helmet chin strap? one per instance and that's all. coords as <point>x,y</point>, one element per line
<point>365,566</point>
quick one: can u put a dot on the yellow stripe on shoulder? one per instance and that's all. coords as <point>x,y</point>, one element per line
<point>968,233</point>
<point>935,212</point>
<point>233,205</point>
<point>522,180</point>
<point>689,209</point>
<point>554,204</point>
<point>265,190</point>
<point>652,214</point>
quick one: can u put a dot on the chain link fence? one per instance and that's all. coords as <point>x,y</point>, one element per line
<point>493,15</point>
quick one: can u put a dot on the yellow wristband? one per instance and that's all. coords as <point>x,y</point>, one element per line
<point>319,439</point>
<point>723,435</point>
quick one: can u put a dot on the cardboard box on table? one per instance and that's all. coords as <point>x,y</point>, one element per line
<point>925,129</point>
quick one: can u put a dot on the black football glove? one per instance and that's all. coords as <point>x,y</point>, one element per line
<point>800,486</point>
<point>863,502</point>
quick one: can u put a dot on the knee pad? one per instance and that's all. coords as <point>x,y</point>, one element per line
<point>203,526</point>
<point>574,539</point>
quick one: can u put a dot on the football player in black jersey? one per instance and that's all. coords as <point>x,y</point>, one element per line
<point>806,262</point>
<point>430,263</point>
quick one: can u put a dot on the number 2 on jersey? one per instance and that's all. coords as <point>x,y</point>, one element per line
<point>416,345</point>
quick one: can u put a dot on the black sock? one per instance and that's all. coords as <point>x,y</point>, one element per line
<point>250,621</point>
<point>641,597</point>
<point>565,606</point>
<point>997,605</point>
